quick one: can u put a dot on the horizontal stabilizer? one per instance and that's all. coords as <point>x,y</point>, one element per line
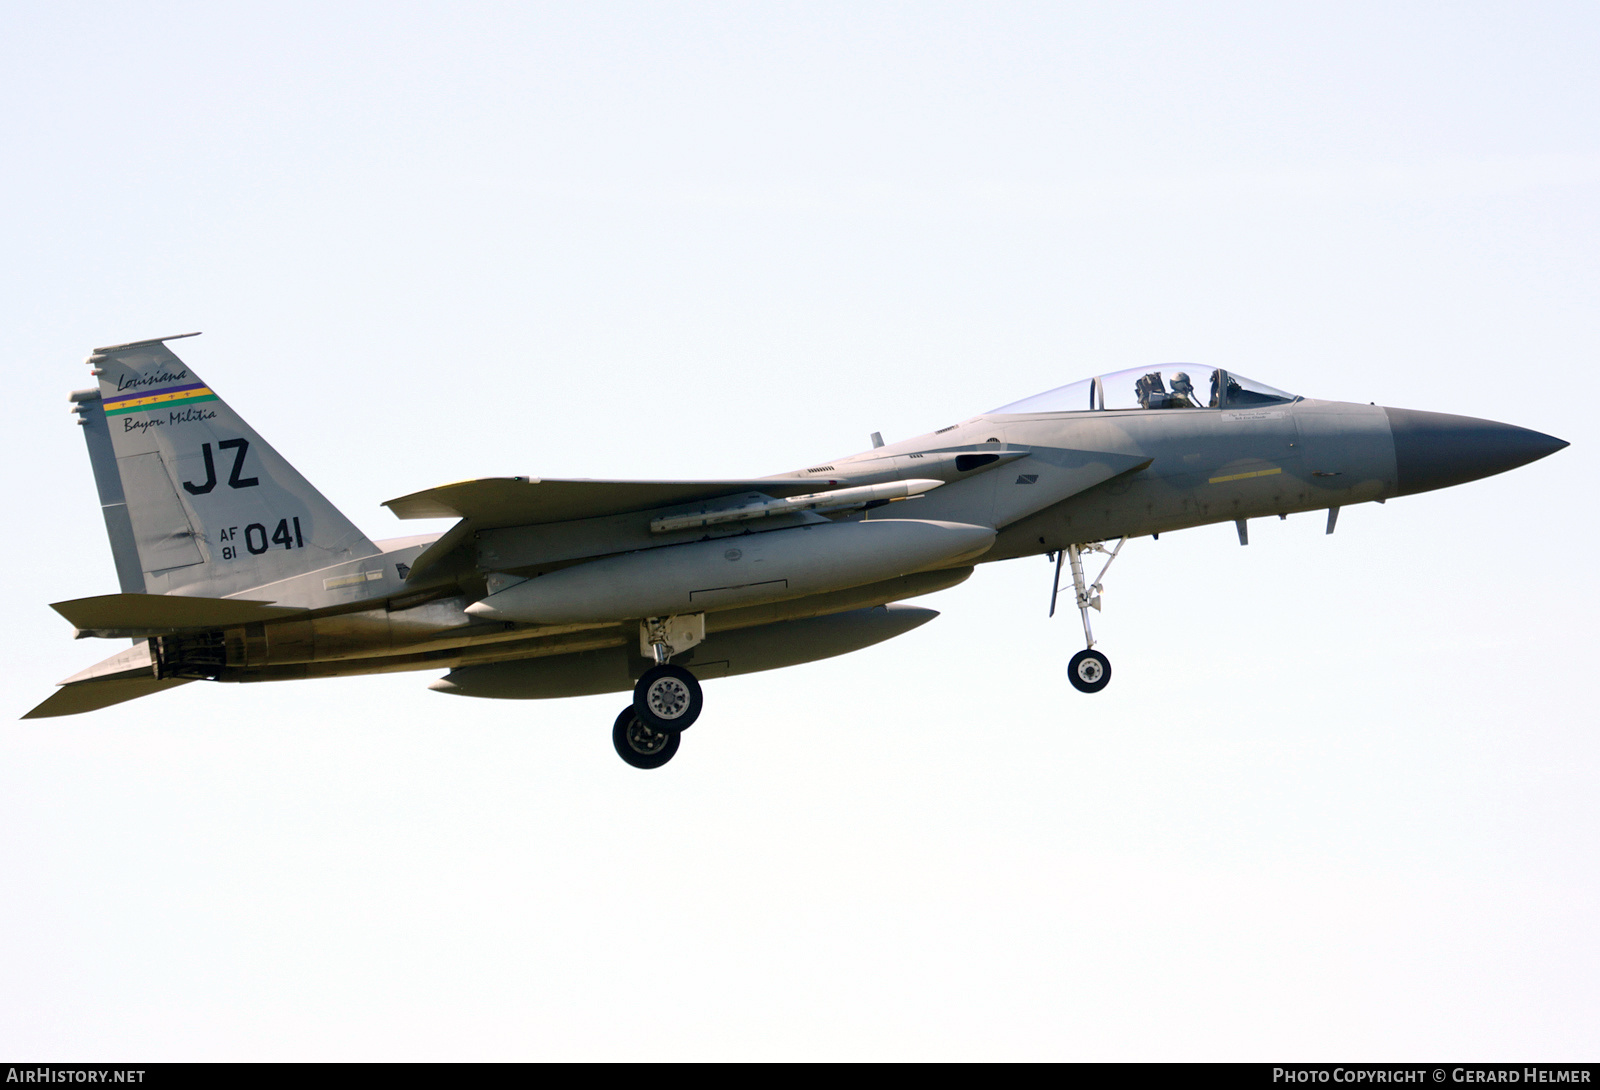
<point>493,502</point>
<point>154,614</point>
<point>88,696</point>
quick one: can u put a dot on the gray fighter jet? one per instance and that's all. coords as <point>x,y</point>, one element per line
<point>234,568</point>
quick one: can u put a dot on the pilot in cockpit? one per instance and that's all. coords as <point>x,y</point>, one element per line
<point>1182,396</point>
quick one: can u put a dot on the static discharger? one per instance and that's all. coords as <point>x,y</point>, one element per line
<point>838,499</point>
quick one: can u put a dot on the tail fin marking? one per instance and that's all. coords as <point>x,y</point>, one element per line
<point>198,500</point>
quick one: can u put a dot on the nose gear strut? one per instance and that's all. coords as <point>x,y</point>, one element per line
<point>1089,671</point>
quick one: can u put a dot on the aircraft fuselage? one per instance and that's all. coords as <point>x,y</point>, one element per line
<point>1178,469</point>
<point>233,567</point>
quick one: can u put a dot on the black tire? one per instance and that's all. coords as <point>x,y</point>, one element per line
<point>1089,671</point>
<point>640,744</point>
<point>668,698</point>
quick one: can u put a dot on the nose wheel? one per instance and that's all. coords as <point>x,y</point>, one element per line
<point>1089,671</point>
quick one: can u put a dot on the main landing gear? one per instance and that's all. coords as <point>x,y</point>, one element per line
<point>667,698</point>
<point>1089,671</point>
<point>640,744</point>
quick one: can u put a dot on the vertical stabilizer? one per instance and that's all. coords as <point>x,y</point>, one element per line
<point>195,501</point>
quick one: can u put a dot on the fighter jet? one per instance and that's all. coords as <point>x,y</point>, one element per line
<point>234,568</point>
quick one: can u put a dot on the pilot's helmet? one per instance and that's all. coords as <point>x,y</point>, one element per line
<point>1181,384</point>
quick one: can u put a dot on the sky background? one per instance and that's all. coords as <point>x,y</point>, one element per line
<point>1339,800</point>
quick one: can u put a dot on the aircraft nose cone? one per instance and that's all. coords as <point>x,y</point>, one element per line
<point>1437,450</point>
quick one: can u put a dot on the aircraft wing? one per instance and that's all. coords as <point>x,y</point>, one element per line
<point>493,502</point>
<point>489,503</point>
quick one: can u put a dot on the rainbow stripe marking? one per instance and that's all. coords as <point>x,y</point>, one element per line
<point>172,397</point>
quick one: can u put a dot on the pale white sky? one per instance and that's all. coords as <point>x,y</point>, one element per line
<point>1340,798</point>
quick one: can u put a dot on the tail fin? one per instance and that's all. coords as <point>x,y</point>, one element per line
<point>195,501</point>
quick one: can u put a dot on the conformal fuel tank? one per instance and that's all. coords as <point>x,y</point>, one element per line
<point>735,571</point>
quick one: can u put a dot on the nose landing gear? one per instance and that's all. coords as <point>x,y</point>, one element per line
<point>1089,671</point>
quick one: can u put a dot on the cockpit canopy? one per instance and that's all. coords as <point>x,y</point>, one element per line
<point>1170,386</point>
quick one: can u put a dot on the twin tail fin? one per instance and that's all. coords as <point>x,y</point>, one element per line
<point>195,501</point>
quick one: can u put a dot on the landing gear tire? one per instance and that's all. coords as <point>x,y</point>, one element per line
<point>640,744</point>
<point>1089,671</point>
<point>667,698</point>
